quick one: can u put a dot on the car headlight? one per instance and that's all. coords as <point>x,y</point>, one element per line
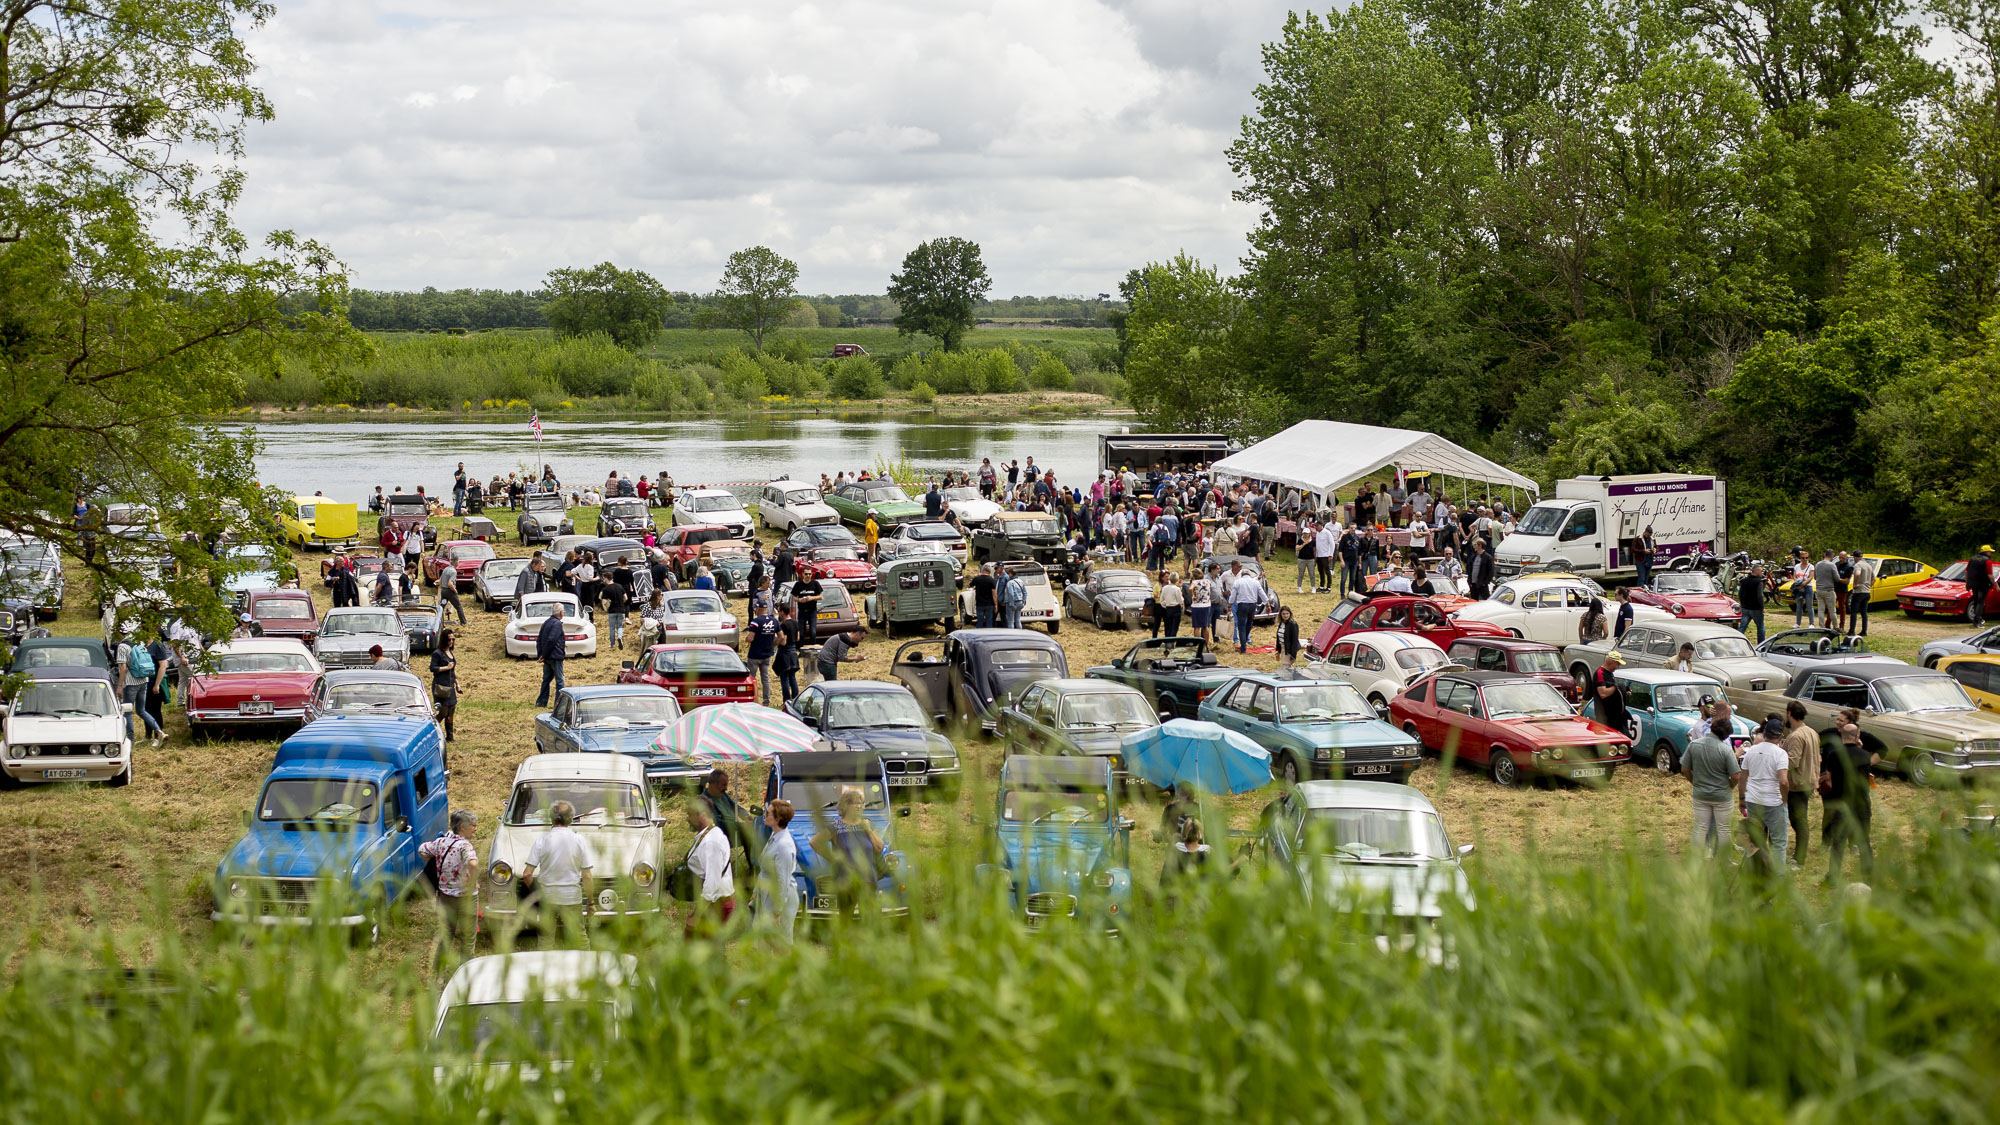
<point>1323,754</point>
<point>16,752</point>
<point>1103,880</point>
<point>238,889</point>
<point>107,749</point>
<point>1531,558</point>
<point>1407,750</point>
<point>1559,753</point>
<point>500,873</point>
<point>642,874</point>
<point>1678,608</point>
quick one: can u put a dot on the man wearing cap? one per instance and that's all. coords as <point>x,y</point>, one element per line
<point>1978,580</point>
<point>1610,697</point>
<point>1860,587</point>
<point>1761,793</point>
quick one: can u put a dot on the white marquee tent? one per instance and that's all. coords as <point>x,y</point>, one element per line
<point>1318,456</point>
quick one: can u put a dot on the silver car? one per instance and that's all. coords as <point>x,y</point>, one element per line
<point>348,632</point>
<point>1986,642</point>
<point>1720,653</point>
<point>1108,597</point>
<point>368,691</point>
<point>698,616</point>
<point>32,573</point>
<point>494,584</point>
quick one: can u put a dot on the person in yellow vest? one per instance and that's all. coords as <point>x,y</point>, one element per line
<point>871,533</point>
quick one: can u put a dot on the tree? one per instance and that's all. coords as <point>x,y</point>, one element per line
<point>626,305</point>
<point>941,282</point>
<point>756,293</point>
<point>1183,364</point>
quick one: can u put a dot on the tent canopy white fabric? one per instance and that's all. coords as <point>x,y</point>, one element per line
<point>1318,456</point>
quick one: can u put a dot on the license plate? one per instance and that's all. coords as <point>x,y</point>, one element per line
<point>710,692</point>
<point>822,902</point>
<point>828,615</point>
<point>1587,771</point>
<point>63,775</point>
<point>1924,603</point>
<point>906,779</point>
<point>254,708</point>
<point>1365,771</point>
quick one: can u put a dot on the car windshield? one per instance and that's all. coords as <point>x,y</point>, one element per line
<point>406,505</point>
<point>1321,703</point>
<point>931,531</point>
<point>1523,700</point>
<point>1541,520</point>
<point>596,802</point>
<point>1020,529</point>
<point>419,618</point>
<point>1011,658</point>
<point>1681,697</point>
<point>282,609</point>
<point>1684,582</point>
<point>627,711</point>
<point>822,794</point>
<point>543,502</point>
<point>504,568</point>
<point>707,535</point>
<point>1538,660</point>
<point>1922,693</point>
<point>263,662</point>
<point>374,697</point>
<point>326,801</point>
<point>1031,577</point>
<point>625,509</point>
<point>1723,648</point>
<point>886,494</point>
<point>874,709</point>
<point>699,662</point>
<point>833,554</point>
<point>1100,710</point>
<point>1420,659</point>
<point>1127,580</point>
<point>82,654</point>
<point>1369,835</point>
<point>36,554</point>
<point>803,496</point>
<point>1055,806</point>
<point>695,601</point>
<point>78,697</point>
<point>719,503</point>
<point>967,493</point>
<point>345,624</point>
<point>1953,573</point>
<point>511,1031</point>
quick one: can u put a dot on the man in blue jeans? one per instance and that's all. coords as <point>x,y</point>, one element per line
<point>1013,598</point>
<point>985,599</point>
<point>1750,598</point>
<point>1245,594</point>
<point>550,649</point>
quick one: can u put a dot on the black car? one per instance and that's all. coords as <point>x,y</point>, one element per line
<point>422,622</point>
<point>1078,718</point>
<point>885,718</point>
<point>624,515</point>
<point>1176,673</point>
<point>969,675</point>
<point>822,535</point>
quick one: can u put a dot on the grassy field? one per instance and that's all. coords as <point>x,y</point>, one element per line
<point>682,344</point>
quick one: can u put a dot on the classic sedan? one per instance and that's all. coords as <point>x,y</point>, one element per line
<point>1689,594</point>
<point>970,674</point>
<point>615,809</point>
<point>1945,594</point>
<point>251,567</point>
<point>1510,724</point>
<point>1794,649</point>
<point>1665,710</point>
<point>704,507</point>
<point>346,634</point>
<point>284,613</point>
<point>252,683</point>
<point>524,624</point>
<point>855,499</point>
<point>1363,845</point>
<point>494,584</point>
<point>624,515</point>
<point>921,536</point>
<point>1107,597</point>
<point>461,557</point>
<point>422,622</point>
<point>691,616</point>
<point>1920,721</point>
<point>1313,728</point>
<point>1720,653</point>
<point>621,718</point>
<point>1512,654</point>
<point>838,611</point>
<point>1549,610</point>
<point>807,537</point>
<point>369,691</point>
<point>697,675</point>
<point>843,564</point>
<point>1986,642</point>
<point>1396,613</point>
<point>1378,665</point>
<point>34,573</point>
<point>1176,673</point>
<point>885,718</point>
<point>1085,718</point>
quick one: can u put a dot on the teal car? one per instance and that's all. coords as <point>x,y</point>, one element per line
<point>891,505</point>
<point>1313,728</point>
<point>1059,843</point>
<point>1665,712</point>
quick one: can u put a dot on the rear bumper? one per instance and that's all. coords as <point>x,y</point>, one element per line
<point>238,718</point>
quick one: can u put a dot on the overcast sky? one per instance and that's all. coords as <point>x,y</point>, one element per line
<point>482,144</point>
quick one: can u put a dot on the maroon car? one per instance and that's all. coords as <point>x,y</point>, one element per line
<point>697,674</point>
<point>1513,654</point>
<point>463,557</point>
<point>283,613</point>
<point>410,512</point>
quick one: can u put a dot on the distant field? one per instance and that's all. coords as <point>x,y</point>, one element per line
<point>682,343</point>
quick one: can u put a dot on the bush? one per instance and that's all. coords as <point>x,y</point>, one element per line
<point>923,392</point>
<point>743,380</point>
<point>1104,383</point>
<point>1049,373</point>
<point>856,377</point>
<point>1002,376</point>
<point>792,348</point>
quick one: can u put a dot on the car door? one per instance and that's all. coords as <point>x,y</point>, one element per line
<point>1431,624</point>
<point>1371,667</point>
<point>1633,645</point>
<point>1660,648</point>
<point>1451,723</point>
<point>1232,709</point>
<point>1543,618</point>
<point>929,678</point>
<point>1340,662</point>
<point>1019,719</point>
<point>1639,723</point>
<point>549,726</point>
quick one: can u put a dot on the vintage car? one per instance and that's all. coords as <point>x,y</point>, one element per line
<point>730,565</point>
<point>524,624</point>
<point>1893,575</point>
<point>1549,610</point>
<point>807,536</point>
<point>692,616</point>
<point>813,783</point>
<point>369,691</point>
<point>919,588</point>
<point>1919,720</point>
<point>972,509</point>
<point>367,566</point>
<point>1689,594</point>
<point>1395,613</point>
<point>856,499</point>
<point>1945,594</point>
<point>543,516</point>
<point>558,549</point>
<point>1040,607</point>
<point>1085,718</point>
<point>624,515</point>
<point>622,718</point>
<point>1979,675</point>
<point>1378,664</point>
<point>970,674</point>
<point>410,512</point>
<point>1985,642</point>
<point>1107,597</point>
<point>842,564</point>
<point>922,537</point>
<point>1794,649</point>
<point>493,586</point>
<point>131,521</point>
<point>346,634</point>
<point>1176,673</point>
<point>283,613</point>
<point>1313,728</point>
<point>697,675</point>
<point>786,505</point>
<point>1665,710</point>
<point>1029,536</point>
<point>1363,846</point>
<point>259,682</point>
<point>462,557</point>
<point>1267,608</point>
<point>33,574</point>
<point>687,546</point>
<point>66,724</point>
<point>333,834</point>
<point>524,1011</point>
<point>1509,723</point>
<point>1512,654</point>
<point>1059,842</point>
<point>1720,653</point>
<point>249,568</point>
<point>614,550</point>
<point>423,623</point>
<point>714,507</point>
<point>17,620</point>
<point>838,611</point>
<point>885,718</point>
<point>35,653</point>
<point>307,522</point>
<point>616,813</point>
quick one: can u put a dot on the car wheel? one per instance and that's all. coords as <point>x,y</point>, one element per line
<point>1381,706</point>
<point>1916,768</point>
<point>1500,766</point>
<point>1516,634</point>
<point>1581,675</point>
<point>1096,618</point>
<point>1411,730</point>
<point>1289,772</point>
<point>1664,758</point>
<point>1054,626</point>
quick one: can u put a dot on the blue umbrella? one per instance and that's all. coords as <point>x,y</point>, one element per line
<point>1206,756</point>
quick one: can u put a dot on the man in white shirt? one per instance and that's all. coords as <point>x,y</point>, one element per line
<point>1326,548</point>
<point>1246,593</point>
<point>557,864</point>
<point>1761,793</point>
<point>1397,583</point>
<point>709,860</point>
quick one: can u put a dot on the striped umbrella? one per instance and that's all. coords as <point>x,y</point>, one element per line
<point>735,732</point>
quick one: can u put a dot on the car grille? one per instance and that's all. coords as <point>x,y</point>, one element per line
<point>1050,905</point>
<point>346,659</point>
<point>906,767</point>
<point>60,750</point>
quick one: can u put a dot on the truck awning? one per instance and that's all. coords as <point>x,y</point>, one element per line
<point>1319,456</point>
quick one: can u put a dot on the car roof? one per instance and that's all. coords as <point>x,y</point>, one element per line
<point>1665,676</point>
<point>1011,636</point>
<point>1391,640</point>
<point>616,767</point>
<point>87,672</point>
<point>548,974</point>
<point>1687,630</point>
<point>613,691</point>
<point>351,609</point>
<point>395,740</point>
<point>1010,515</point>
<point>686,492</point>
<point>1363,795</point>
<point>1881,668</point>
<point>1050,770</point>
<point>1273,679</point>
<point>791,482</point>
<point>1079,685</point>
<point>262,644</point>
<point>1515,643</point>
<point>371,676</point>
<point>850,765</point>
<point>611,542</point>
<point>60,642</point>
<point>861,687</point>
<point>1490,676</point>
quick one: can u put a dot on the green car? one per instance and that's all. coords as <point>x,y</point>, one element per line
<point>891,505</point>
<point>1313,728</point>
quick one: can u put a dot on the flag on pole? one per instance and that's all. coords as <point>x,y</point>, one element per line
<point>535,424</point>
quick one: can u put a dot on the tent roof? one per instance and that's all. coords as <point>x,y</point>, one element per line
<point>1320,456</point>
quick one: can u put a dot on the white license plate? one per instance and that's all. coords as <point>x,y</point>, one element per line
<point>254,708</point>
<point>710,692</point>
<point>1364,771</point>
<point>1923,603</point>
<point>907,779</point>
<point>63,775</point>
<point>822,902</point>
<point>1588,771</point>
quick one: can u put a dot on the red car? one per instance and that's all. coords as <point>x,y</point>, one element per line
<point>283,613</point>
<point>842,563</point>
<point>1945,594</point>
<point>1688,594</point>
<point>1427,617</point>
<point>696,674</point>
<point>258,682</point>
<point>463,556</point>
<point>684,545</point>
<point>1513,654</point>
<point>1510,724</point>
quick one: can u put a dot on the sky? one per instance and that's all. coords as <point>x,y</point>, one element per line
<point>463,144</point>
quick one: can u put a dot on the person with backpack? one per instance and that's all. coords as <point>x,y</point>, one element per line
<point>138,674</point>
<point>451,866</point>
<point>1013,597</point>
<point>710,862</point>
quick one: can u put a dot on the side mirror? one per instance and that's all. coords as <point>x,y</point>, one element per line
<point>940,718</point>
<point>1126,823</point>
<point>1166,716</point>
<point>625,666</point>
<point>1465,849</point>
<point>659,820</point>
<point>903,811</point>
<point>1118,662</point>
<point>755,810</point>
<point>810,721</point>
<point>1469,709</point>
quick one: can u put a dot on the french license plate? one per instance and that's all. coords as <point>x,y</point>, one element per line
<point>1587,771</point>
<point>906,779</point>
<point>710,692</point>
<point>1037,921</point>
<point>263,708</point>
<point>63,775</point>
<point>1365,771</point>
<point>822,902</point>
<point>1924,603</point>
<point>828,615</point>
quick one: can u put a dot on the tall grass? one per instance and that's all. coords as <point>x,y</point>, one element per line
<point>1637,990</point>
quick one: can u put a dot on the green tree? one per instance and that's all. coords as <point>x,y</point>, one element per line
<point>756,293</point>
<point>1183,364</point>
<point>941,281</point>
<point>1605,431</point>
<point>626,305</point>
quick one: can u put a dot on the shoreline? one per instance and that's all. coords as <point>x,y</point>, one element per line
<point>1013,407</point>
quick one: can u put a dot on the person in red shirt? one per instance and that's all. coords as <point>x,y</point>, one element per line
<point>392,543</point>
<point>645,489</point>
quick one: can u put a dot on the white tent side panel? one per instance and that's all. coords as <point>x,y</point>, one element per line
<point>1319,456</point>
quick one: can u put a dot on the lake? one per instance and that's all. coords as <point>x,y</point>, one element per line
<point>346,460</point>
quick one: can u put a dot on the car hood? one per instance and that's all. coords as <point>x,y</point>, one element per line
<point>1933,588</point>
<point>1738,671</point>
<point>1962,726</point>
<point>1125,597</point>
<point>843,568</point>
<point>1345,733</point>
<point>305,854</point>
<point>892,740</point>
<point>1698,605</point>
<point>974,511</point>
<point>893,509</point>
<point>34,730</point>
<point>1411,889</point>
<point>1058,858</point>
<point>1563,732</point>
<point>612,851</point>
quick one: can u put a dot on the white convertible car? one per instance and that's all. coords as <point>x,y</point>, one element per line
<point>524,624</point>
<point>1547,609</point>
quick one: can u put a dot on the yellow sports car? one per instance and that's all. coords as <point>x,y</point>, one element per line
<point>1979,675</point>
<point>1892,573</point>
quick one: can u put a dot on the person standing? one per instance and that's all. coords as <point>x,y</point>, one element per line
<point>837,650</point>
<point>1201,606</point>
<point>584,576</point>
<point>458,491</point>
<point>1826,575</point>
<point>534,579</point>
<point>1801,572</point>
<point>1750,599</point>
<point>1287,639</point>
<point>1761,795</point>
<point>933,502</point>
<point>985,597</point>
<point>806,595</point>
<point>1609,696</point>
<point>1978,582</point>
<point>784,564</point>
<point>137,675</point>
<point>1642,557</point>
<point>763,630</point>
<point>1170,599</point>
<point>785,662</point>
<point>1712,768</point>
<point>448,594</point>
<point>555,869</point>
<point>1860,587</point>
<point>780,897</point>
<point>413,551</point>
<point>1308,545</point>
<point>1013,597</point>
<point>1801,744</point>
<point>1326,549</point>
<point>1591,626</point>
<point>871,534</point>
<point>1479,571</point>
<point>1625,613</point>
<point>457,861</point>
<point>444,680</point>
<point>550,649</point>
<point>1843,574</point>
<point>617,603</point>
<point>1846,806</point>
<point>729,816</point>
<point>1246,594</point>
<point>711,863</point>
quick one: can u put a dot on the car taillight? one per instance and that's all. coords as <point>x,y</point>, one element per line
<point>743,690</point>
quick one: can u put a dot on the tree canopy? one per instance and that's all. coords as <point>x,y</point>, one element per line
<point>626,305</point>
<point>941,282</point>
<point>757,292</point>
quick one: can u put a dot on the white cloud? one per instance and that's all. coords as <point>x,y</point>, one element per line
<point>485,142</point>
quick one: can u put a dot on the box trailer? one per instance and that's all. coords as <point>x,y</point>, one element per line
<point>1588,525</point>
<point>1178,452</point>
